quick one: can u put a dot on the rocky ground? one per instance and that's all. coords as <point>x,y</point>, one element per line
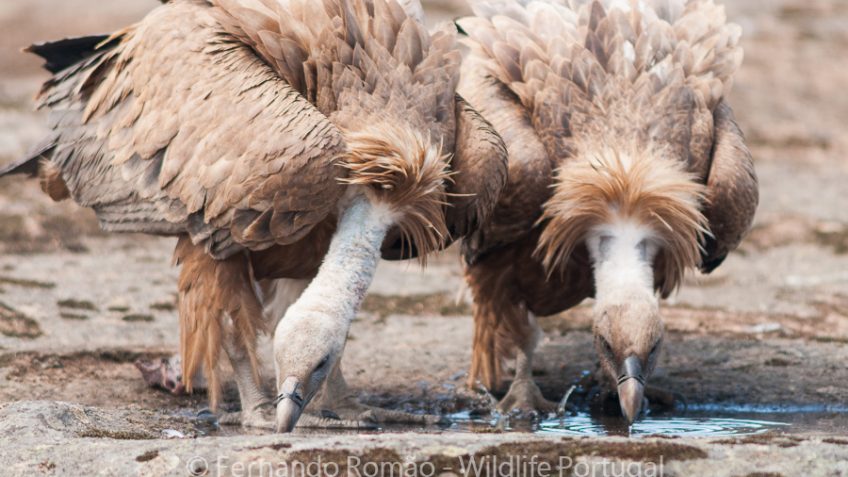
<point>768,330</point>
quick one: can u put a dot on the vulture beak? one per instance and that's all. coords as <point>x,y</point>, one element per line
<point>631,388</point>
<point>289,404</point>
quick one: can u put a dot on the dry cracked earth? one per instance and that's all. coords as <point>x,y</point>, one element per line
<point>768,331</point>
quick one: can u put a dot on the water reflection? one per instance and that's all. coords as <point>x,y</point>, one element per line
<point>586,424</point>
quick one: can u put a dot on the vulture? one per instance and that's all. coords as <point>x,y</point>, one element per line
<point>288,145</point>
<point>626,169</point>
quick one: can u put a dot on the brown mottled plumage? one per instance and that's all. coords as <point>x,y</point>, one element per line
<point>244,126</point>
<point>615,119</point>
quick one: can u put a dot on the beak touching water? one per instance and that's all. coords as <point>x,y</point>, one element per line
<point>631,388</point>
<point>289,404</point>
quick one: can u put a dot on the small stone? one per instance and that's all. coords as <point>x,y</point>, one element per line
<point>172,434</point>
<point>119,304</point>
<point>765,328</point>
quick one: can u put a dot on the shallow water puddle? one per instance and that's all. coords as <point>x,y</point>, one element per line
<point>584,425</point>
<point>699,420</point>
<point>696,421</point>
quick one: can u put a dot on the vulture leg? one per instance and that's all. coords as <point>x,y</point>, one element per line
<point>167,373</point>
<point>276,296</point>
<point>524,399</point>
<point>219,309</point>
<point>255,404</point>
<point>503,326</point>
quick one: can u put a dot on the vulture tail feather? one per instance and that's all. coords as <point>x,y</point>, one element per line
<point>67,52</point>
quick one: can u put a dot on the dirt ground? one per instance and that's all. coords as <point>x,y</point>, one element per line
<point>768,330</point>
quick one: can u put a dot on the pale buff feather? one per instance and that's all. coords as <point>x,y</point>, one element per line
<point>403,169</point>
<point>648,189</point>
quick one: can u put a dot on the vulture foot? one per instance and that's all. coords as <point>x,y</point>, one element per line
<point>258,418</point>
<point>524,400</point>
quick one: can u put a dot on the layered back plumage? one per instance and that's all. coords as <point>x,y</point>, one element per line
<point>358,61</point>
<point>606,79</point>
<point>613,67</point>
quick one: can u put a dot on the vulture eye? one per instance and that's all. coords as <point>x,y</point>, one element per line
<point>323,362</point>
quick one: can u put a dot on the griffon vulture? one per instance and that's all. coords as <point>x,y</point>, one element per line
<point>626,168</point>
<point>278,140</point>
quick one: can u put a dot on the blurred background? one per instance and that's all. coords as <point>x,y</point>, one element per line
<point>778,307</point>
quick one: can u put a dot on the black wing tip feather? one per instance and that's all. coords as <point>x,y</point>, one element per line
<point>710,257</point>
<point>61,54</point>
<point>27,166</point>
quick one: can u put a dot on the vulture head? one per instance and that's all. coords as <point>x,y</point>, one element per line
<point>303,361</point>
<point>628,340</point>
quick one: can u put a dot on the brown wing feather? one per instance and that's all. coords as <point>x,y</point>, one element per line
<point>529,168</point>
<point>732,193</point>
<point>180,127</point>
<point>479,165</point>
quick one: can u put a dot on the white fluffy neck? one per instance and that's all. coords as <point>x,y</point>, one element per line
<point>348,268</point>
<point>622,253</point>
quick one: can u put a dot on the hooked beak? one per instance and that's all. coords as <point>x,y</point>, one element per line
<point>631,388</point>
<point>289,404</point>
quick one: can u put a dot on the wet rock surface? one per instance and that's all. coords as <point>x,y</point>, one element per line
<point>768,331</point>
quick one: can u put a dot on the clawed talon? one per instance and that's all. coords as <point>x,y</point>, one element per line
<point>524,400</point>
<point>562,406</point>
<point>358,417</point>
<point>330,420</point>
<point>340,409</point>
<point>484,391</point>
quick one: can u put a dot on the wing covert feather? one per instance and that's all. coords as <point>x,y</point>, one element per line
<point>732,192</point>
<point>529,168</point>
<point>179,127</point>
<point>480,171</point>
